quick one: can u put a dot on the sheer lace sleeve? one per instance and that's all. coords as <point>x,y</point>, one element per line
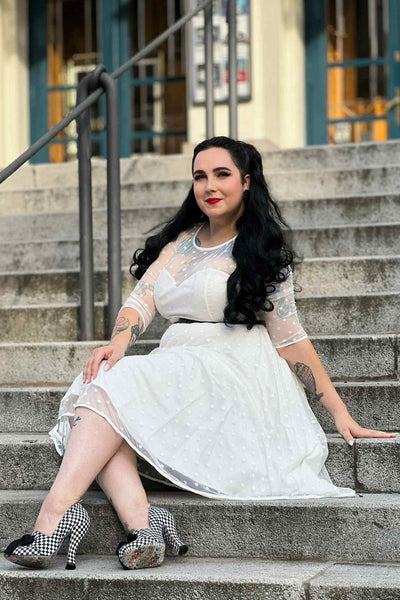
<point>142,296</point>
<point>282,322</point>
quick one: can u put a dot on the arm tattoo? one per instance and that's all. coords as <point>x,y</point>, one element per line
<point>143,287</point>
<point>76,421</point>
<point>121,325</point>
<point>136,330</point>
<point>307,378</point>
<point>285,307</point>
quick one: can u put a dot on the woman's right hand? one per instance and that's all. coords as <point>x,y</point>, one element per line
<point>110,353</point>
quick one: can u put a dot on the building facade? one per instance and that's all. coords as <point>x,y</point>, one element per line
<point>309,72</point>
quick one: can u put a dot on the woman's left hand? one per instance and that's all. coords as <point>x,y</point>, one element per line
<point>349,428</point>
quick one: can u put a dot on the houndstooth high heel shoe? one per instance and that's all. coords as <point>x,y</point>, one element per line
<point>38,549</point>
<point>146,547</point>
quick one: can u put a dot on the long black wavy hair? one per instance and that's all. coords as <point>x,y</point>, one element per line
<point>261,249</point>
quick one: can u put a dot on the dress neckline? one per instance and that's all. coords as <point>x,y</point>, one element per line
<point>209,247</point>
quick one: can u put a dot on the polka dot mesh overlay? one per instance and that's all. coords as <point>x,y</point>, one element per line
<point>182,260</point>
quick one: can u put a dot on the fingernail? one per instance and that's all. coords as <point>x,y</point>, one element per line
<point>107,367</point>
<point>351,442</point>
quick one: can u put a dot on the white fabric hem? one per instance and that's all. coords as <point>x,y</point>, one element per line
<point>181,485</point>
<point>291,342</point>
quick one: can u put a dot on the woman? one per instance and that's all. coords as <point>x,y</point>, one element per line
<point>219,407</point>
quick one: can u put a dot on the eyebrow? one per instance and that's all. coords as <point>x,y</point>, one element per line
<point>216,169</point>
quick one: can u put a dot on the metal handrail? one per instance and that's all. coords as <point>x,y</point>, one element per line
<point>93,85</point>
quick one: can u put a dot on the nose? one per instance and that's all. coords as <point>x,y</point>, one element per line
<point>211,186</point>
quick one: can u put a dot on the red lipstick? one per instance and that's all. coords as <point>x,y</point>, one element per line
<point>213,200</point>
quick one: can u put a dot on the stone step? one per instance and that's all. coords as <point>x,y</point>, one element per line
<point>352,529</point>
<point>65,225</point>
<point>373,404</point>
<point>358,582</point>
<point>325,183</point>
<point>180,577</point>
<point>141,198</point>
<point>349,275</point>
<point>153,166</point>
<point>317,276</point>
<point>176,579</point>
<point>353,358</point>
<point>17,448</point>
<point>30,462</point>
<point>348,240</point>
<point>342,210</point>
<point>291,185</point>
<point>358,314</point>
<point>329,156</point>
<point>319,315</point>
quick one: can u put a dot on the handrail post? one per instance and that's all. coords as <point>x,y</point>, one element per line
<point>94,79</point>
<point>113,200</point>
<point>86,313</point>
<point>209,60</point>
<point>233,103</point>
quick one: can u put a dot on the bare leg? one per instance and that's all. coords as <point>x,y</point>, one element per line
<point>91,445</point>
<point>122,485</point>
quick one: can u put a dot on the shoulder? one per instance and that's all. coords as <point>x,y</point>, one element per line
<point>171,246</point>
<point>186,234</point>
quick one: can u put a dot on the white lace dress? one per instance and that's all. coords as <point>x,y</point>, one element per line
<point>214,409</point>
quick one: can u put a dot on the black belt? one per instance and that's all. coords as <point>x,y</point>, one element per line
<point>182,320</point>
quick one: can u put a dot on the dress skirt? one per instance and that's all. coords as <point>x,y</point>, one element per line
<point>216,411</point>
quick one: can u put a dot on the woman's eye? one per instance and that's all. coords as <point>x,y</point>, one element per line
<point>219,175</point>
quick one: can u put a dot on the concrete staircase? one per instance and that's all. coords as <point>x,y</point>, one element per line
<point>344,206</point>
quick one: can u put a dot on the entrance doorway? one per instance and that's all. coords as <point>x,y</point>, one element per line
<point>69,37</point>
<point>352,70</point>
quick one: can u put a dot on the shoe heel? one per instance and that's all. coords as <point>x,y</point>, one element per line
<point>171,537</point>
<point>75,539</point>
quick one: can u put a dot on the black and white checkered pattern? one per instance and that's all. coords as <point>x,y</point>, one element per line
<point>38,549</point>
<point>146,547</point>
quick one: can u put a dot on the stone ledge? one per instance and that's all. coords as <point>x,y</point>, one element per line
<point>373,404</point>
<point>352,529</point>
<point>29,461</point>
<point>352,358</point>
<point>178,578</point>
<point>320,276</point>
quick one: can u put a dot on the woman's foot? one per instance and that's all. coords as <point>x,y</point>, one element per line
<point>47,522</point>
<point>51,513</point>
<point>145,547</point>
<point>38,550</point>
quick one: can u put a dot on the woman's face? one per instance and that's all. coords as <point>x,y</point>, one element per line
<point>215,176</point>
